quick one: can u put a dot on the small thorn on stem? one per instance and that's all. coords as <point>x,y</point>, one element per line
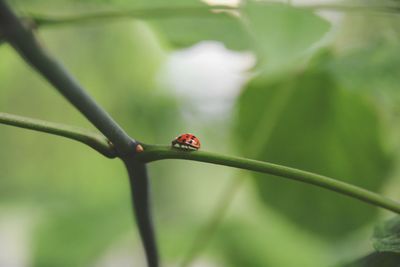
<point>139,148</point>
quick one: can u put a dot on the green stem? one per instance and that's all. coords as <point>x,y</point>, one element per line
<point>140,188</point>
<point>354,8</point>
<point>153,153</point>
<point>140,13</point>
<point>92,139</point>
<point>40,20</point>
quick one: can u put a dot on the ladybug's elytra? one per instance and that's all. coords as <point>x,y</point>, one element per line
<point>186,141</point>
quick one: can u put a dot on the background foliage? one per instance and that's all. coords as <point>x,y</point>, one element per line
<point>322,97</point>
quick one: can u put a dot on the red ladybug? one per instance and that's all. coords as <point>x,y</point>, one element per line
<point>186,141</point>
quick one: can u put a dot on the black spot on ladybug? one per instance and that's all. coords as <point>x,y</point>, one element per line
<point>191,141</point>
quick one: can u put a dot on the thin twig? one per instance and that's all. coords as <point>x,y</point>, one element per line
<point>355,8</point>
<point>153,153</point>
<point>40,20</point>
<point>139,13</point>
<point>92,139</point>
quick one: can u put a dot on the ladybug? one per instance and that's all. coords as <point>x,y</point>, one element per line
<point>186,141</point>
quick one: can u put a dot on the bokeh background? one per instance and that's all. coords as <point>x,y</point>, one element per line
<point>312,89</point>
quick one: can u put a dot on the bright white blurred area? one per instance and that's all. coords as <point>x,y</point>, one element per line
<point>207,76</point>
<point>222,2</point>
<point>15,232</point>
<point>120,254</point>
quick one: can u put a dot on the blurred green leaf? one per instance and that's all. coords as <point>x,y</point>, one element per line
<point>184,31</point>
<point>282,33</point>
<point>371,68</point>
<point>377,259</point>
<point>306,120</point>
<point>386,241</point>
<point>277,33</point>
<point>266,239</point>
<point>386,236</point>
